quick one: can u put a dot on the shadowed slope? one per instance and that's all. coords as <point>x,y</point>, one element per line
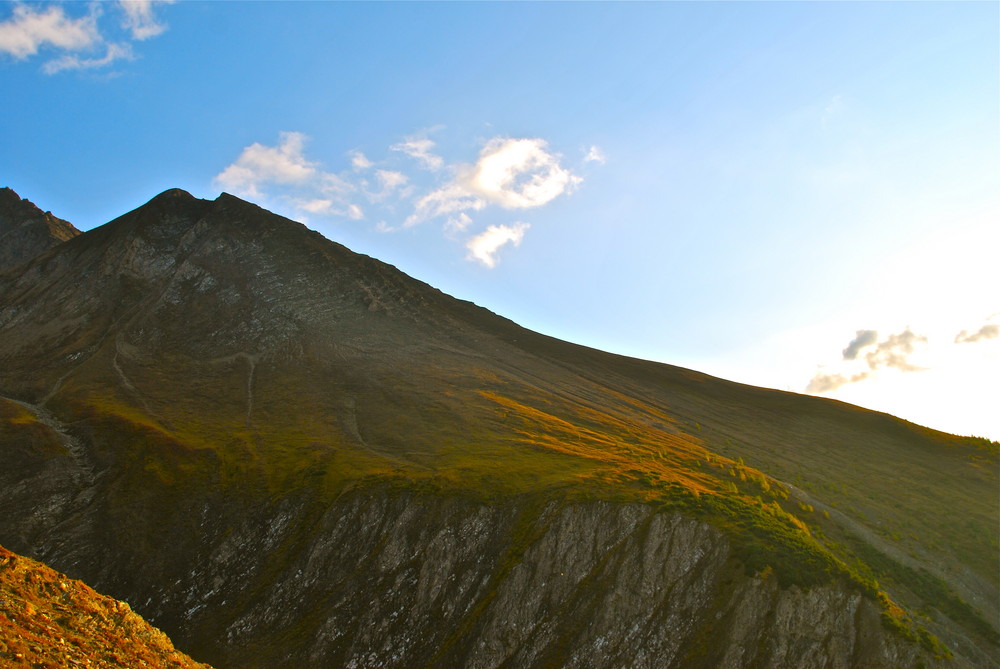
<point>26,231</point>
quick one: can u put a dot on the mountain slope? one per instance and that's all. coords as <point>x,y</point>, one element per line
<point>50,620</point>
<point>197,395</point>
<point>26,231</point>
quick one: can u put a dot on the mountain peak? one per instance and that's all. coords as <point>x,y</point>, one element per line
<point>26,231</point>
<point>173,194</point>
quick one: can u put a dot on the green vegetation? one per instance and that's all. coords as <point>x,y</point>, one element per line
<point>491,436</point>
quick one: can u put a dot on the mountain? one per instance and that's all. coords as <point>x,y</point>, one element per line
<point>50,620</point>
<point>283,453</point>
<point>26,231</point>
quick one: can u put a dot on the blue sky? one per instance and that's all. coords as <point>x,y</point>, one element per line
<point>804,196</point>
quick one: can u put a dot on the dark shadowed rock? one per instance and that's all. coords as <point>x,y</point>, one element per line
<point>26,231</point>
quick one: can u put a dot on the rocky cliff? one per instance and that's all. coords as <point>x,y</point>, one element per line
<point>286,454</point>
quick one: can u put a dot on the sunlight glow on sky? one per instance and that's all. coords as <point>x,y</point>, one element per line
<point>804,196</point>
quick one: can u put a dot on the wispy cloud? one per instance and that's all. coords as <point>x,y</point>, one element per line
<point>29,29</point>
<point>484,247</point>
<point>449,199</point>
<point>595,155</point>
<point>420,149</point>
<point>258,165</point>
<point>507,174</point>
<point>987,331</point>
<point>892,352</point>
<point>140,20</point>
<point>120,51</point>
<point>359,161</point>
<point>283,172</point>
<point>85,43</point>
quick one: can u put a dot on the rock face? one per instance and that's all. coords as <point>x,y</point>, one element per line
<point>26,231</point>
<point>287,455</point>
<point>50,620</point>
<point>402,580</point>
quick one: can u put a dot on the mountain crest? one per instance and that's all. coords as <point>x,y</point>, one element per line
<point>26,231</point>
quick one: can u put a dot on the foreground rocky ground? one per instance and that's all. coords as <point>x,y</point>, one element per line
<point>49,620</point>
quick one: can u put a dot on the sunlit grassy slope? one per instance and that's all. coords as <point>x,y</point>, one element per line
<point>50,620</point>
<point>263,360</point>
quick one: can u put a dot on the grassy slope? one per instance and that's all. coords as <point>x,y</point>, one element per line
<point>371,377</point>
<point>52,621</point>
<point>495,432</point>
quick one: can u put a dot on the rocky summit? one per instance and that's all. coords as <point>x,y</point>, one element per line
<point>285,454</point>
<point>26,230</point>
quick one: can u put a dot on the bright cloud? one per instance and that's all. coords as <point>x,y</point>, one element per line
<point>259,165</point>
<point>28,30</point>
<point>286,176</point>
<point>510,173</point>
<point>519,174</point>
<point>507,174</point>
<point>420,148</point>
<point>485,246</point>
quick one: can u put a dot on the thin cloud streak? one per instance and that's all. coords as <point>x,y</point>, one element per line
<point>988,331</point>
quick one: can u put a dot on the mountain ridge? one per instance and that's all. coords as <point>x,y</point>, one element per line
<point>331,375</point>
<point>26,230</point>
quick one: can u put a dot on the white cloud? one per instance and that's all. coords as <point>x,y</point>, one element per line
<point>28,30</point>
<point>510,173</point>
<point>485,246</point>
<point>259,164</point>
<point>359,161</point>
<point>317,206</point>
<point>390,180</point>
<point>285,174</point>
<point>139,19</point>
<point>458,223</point>
<point>114,52</point>
<point>595,155</point>
<point>519,174</point>
<point>449,199</point>
<point>420,148</point>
